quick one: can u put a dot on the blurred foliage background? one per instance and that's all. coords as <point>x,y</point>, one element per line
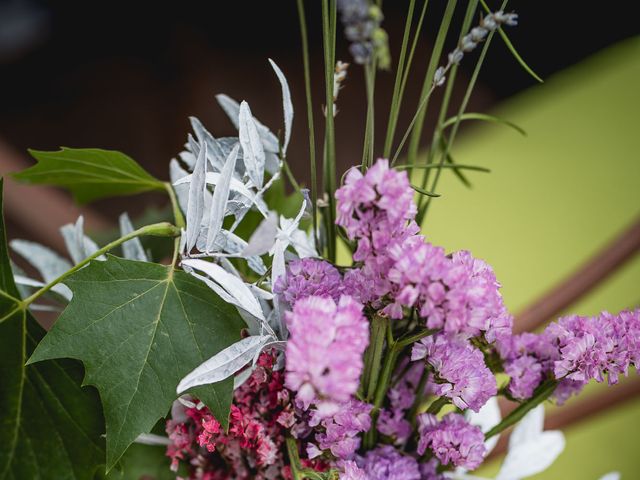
<point>126,76</point>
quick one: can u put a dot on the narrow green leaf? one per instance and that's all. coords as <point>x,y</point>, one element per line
<point>486,118</point>
<point>139,328</point>
<point>424,192</point>
<point>50,427</point>
<point>512,49</point>
<point>457,165</point>
<point>89,173</point>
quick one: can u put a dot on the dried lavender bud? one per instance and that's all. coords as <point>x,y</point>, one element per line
<point>362,28</point>
<point>439,78</point>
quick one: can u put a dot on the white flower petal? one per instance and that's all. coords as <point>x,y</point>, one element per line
<point>487,418</point>
<point>532,456</point>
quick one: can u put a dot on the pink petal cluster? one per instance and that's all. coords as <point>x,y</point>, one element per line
<point>253,448</point>
<point>374,206</point>
<point>452,440</point>
<point>393,421</point>
<point>573,350</point>
<point>340,433</point>
<point>460,371</point>
<point>377,210</point>
<point>307,277</point>
<point>458,294</point>
<point>592,347</point>
<point>324,351</point>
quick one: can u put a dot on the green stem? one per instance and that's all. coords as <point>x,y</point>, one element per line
<point>461,110</point>
<point>395,97</point>
<point>541,393</point>
<point>177,213</point>
<point>162,229</point>
<point>369,134</point>
<point>413,412</point>
<point>381,390</point>
<point>294,458</point>
<point>373,355</point>
<point>312,140</point>
<point>290,177</point>
<point>444,108</point>
<point>437,405</point>
<point>329,157</point>
<point>406,341</point>
<point>416,128</point>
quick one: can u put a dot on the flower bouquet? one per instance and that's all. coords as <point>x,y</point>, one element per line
<point>330,340</point>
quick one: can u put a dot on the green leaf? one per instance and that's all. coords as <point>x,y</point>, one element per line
<point>50,427</point>
<point>424,192</point>
<point>485,117</point>
<point>89,173</point>
<point>139,328</point>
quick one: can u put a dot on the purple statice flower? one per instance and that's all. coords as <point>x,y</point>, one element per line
<point>429,470</point>
<point>477,299</point>
<point>392,421</point>
<point>459,369</point>
<point>528,359</point>
<point>452,440</point>
<point>309,276</point>
<point>387,463</point>
<point>349,470</point>
<point>525,374</point>
<point>324,351</point>
<point>376,204</point>
<point>418,274</point>
<point>360,284</point>
<point>592,347</point>
<point>566,388</point>
<point>341,435</point>
<point>459,294</point>
<point>573,350</point>
<point>377,210</point>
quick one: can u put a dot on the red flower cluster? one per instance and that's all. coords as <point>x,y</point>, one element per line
<point>254,446</point>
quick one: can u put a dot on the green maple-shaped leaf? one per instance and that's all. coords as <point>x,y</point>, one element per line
<point>89,173</point>
<point>50,427</point>
<point>139,328</point>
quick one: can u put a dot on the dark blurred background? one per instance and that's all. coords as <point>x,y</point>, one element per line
<point>126,76</point>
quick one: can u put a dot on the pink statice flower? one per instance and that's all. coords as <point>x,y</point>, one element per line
<point>452,440</point>
<point>309,276</point>
<point>459,294</point>
<point>377,203</point>
<point>592,347</point>
<point>387,463</point>
<point>324,351</point>
<point>377,210</point>
<point>340,433</point>
<point>392,420</point>
<point>460,371</point>
<point>349,470</point>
